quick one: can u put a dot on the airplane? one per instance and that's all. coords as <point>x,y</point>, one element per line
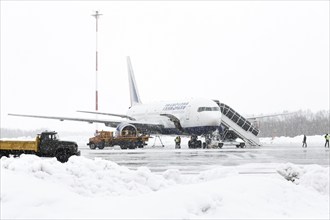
<point>194,116</point>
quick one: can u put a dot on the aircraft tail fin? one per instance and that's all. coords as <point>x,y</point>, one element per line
<point>134,93</point>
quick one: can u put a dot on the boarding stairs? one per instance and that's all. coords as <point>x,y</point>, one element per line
<point>243,128</point>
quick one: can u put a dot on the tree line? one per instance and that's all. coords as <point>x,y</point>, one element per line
<point>298,123</point>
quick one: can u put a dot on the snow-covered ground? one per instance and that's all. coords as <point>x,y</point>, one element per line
<point>312,141</point>
<point>95,188</point>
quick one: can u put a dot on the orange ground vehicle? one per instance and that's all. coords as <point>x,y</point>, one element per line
<point>126,139</point>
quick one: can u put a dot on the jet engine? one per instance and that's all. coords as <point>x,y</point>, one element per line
<point>126,129</point>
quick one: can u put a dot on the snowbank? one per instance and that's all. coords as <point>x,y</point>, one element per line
<point>42,188</point>
<point>311,176</point>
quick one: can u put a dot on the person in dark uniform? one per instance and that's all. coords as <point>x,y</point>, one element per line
<point>327,138</point>
<point>304,141</point>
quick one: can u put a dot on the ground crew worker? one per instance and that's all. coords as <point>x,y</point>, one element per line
<point>327,138</point>
<point>177,142</point>
<point>304,141</point>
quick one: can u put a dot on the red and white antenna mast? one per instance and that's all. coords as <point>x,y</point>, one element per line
<point>96,15</point>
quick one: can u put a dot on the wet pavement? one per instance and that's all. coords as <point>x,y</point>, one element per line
<point>159,159</point>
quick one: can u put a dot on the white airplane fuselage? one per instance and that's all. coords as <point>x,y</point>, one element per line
<point>196,116</point>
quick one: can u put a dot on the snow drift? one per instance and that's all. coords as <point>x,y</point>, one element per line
<point>42,188</point>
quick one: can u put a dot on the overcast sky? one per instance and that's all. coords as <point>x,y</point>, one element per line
<point>259,57</point>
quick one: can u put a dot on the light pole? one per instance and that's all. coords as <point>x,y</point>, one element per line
<point>96,15</point>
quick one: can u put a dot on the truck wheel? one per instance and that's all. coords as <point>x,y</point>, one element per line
<point>101,145</point>
<point>62,156</point>
<point>92,146</point>
<point>4,155</point>
<point>199,144</point>
<point>242,145</point>
<point>123,147</point>
<point>189,144</point>
<point>132,145</point>
<point>140,144</point>
<point>220,145</point>
<point>204,145</point>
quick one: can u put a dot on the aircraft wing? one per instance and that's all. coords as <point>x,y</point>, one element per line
<point>142,126</point>
<point>267,116</point>
<point>110,114</point>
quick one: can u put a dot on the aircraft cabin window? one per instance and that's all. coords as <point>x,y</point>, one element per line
<point>200,109</point>
<point>209,109</point>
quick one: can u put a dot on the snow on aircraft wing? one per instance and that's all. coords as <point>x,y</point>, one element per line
<point>142,126</point>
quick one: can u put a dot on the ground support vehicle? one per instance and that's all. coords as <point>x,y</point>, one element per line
<point>46,144</point>
<point>124,140</point>
<point>217,140</point>
<point>220,144</point>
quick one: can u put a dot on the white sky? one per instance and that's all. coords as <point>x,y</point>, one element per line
<point>257,57</point>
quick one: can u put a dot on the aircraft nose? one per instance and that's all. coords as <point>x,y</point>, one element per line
<point>218,118</point>
<point>213,119</point>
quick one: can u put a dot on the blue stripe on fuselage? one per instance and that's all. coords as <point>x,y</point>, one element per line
<point>191,130</point>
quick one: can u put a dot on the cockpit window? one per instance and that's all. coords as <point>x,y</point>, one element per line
<point>209,109</point>
<point>50,137</point>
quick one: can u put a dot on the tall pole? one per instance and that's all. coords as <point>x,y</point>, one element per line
<point>96,15</point>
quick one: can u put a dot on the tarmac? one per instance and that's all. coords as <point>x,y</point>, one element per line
<point>189,161</point>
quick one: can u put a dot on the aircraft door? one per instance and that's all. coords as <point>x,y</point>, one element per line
<point>188,113</point>
<point>191,117</point>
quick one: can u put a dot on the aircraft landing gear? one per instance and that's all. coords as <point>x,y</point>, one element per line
<point>208,140</point>
<point>194,142</point>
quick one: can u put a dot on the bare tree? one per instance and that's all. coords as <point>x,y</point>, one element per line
<point>301,122</point>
